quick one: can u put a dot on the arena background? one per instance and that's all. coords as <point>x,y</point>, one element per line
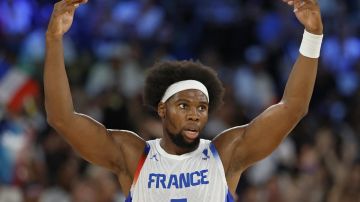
<point>252,44</point>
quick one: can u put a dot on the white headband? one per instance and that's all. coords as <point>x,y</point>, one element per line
<point>184,85</point>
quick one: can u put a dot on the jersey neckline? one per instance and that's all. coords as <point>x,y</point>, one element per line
<point>177,157</point>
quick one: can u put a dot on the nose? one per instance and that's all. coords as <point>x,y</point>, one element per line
<point>193,114</point>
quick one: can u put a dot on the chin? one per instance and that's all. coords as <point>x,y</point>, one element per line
<point>181,141</point>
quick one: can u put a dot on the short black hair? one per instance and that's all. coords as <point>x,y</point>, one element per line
<point>165,73</point>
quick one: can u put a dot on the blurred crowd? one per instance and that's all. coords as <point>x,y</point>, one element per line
<point>252,44</point>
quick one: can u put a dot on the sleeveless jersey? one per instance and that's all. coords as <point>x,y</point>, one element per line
<point>197,176</point>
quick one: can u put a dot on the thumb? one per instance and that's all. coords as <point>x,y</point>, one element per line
<point>72,8</point>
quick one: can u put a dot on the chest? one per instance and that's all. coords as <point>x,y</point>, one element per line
<point>197,178</point>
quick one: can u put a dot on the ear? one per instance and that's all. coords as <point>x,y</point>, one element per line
<point>161,110</point>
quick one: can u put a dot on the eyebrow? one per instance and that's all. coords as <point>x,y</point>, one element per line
<point>185,100</point>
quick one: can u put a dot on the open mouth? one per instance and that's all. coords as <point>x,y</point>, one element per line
<point>191,133</point>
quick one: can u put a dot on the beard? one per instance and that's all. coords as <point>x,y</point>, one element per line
<point>180,141</point>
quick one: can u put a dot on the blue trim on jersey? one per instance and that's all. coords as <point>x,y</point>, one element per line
<point>146,152</point>
<point>214,151</point>
<point>128,199</point>
<point>147,149</point>
<point>229,197</point>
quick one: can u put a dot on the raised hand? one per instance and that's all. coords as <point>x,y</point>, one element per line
<point>62,17</point>
<point>308,13</point>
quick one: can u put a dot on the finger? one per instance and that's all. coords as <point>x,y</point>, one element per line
<point>80,2</point>
<point>299,4</point>
<point>70,5</point>
<point>64,8</point>
<point>289,2</point>
<point>304,7</point>
<point>75,2</point>
<point>314,1</point>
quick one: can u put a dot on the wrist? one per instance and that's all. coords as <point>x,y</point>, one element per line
<point>53,37</point>
<point>311,44</point>
<point>315,31</point>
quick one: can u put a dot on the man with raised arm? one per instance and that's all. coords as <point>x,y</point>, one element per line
<point>180,166</point>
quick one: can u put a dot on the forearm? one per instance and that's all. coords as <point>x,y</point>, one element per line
<point>58,101</point>
<point>300,85</point>
<point>263,134</point>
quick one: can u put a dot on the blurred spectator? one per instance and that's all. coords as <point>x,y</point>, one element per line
<point>253,85</point>
<point>16,15</point>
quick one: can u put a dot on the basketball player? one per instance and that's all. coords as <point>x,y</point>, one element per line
<point>180,166</point>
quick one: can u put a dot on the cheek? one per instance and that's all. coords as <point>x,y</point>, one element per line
<point>174,121</point>
<point>204,120</point>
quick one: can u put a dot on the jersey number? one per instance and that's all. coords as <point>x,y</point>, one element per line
<point>179,200</point>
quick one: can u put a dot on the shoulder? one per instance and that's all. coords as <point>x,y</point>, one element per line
<point>124,139</point>
<point>227,142</point>
<point>131,146</point>
<point>229,137</point>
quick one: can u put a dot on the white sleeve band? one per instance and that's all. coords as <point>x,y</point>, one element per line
<point>310,45</point>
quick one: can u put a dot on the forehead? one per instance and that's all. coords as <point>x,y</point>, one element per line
<point>192,95</point>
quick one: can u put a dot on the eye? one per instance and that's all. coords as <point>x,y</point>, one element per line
<point>182,106</point>
<point>202,108</point>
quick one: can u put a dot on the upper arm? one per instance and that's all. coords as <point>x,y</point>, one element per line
<point>98,145</point>
<point>263,135</point>
<point>252,142</point>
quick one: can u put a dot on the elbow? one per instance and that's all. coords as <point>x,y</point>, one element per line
<point>297,110</point>
<point>296,114</point>
<point>301,108</point>
<point>53,122</point>
<point>56,122</point>
<point>57,119</point>
<point>300,112</point>
<point>303,112</point>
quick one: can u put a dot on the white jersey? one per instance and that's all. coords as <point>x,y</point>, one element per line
<point>197,176</point>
